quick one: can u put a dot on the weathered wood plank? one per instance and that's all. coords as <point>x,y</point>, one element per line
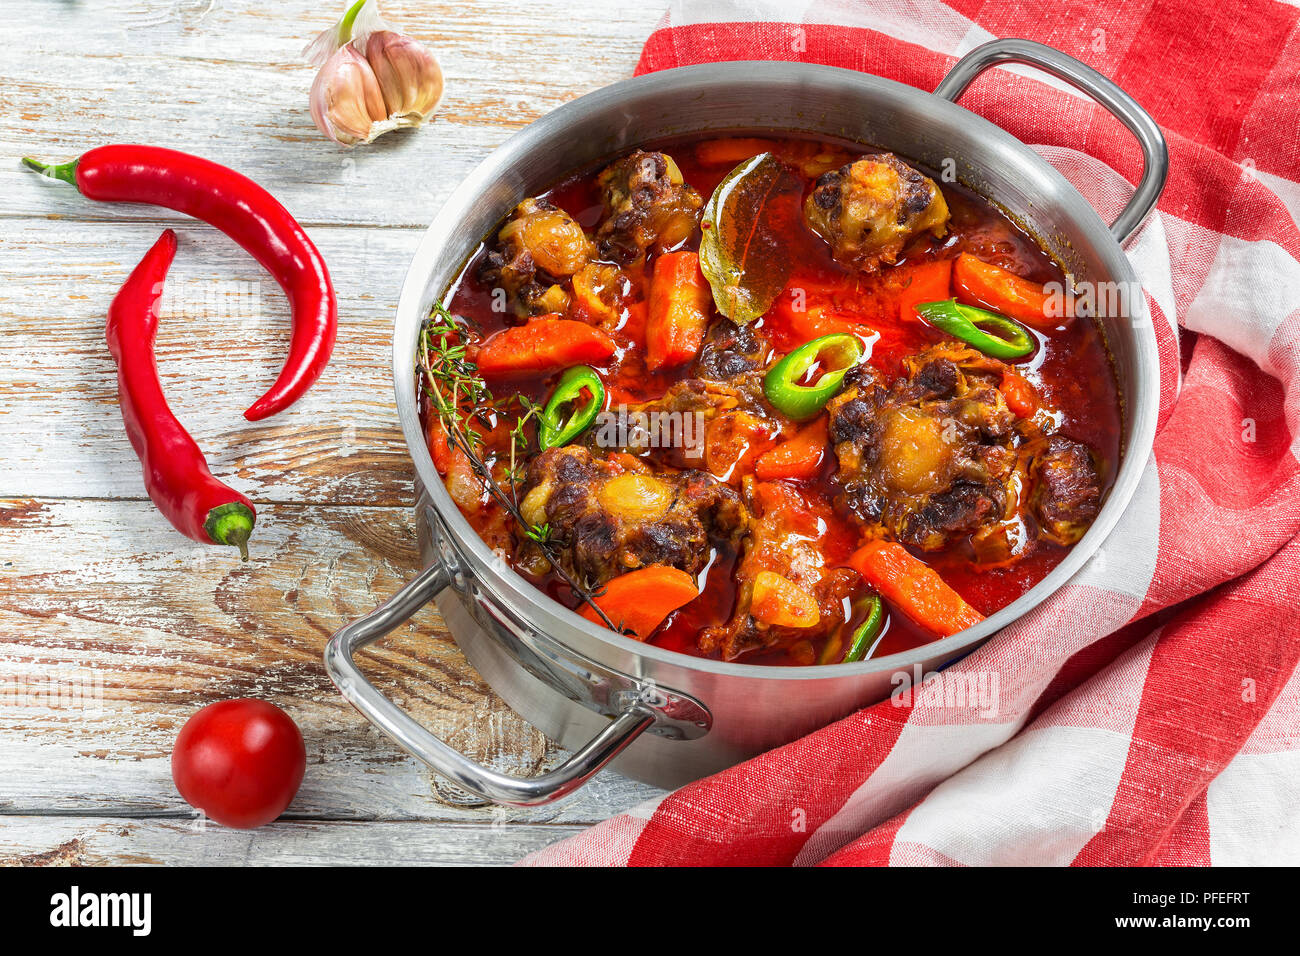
<point>97,593</point>
<point>223,334</point>
<point>138,627</point>
<point>226,80</point>
<point>73,841</point>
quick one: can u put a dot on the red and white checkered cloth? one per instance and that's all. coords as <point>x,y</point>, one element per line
<point>1149,713</point>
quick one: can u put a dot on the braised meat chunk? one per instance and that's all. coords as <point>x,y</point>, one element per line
<point>669,431</point>
<point>607,520</point>
<point>731,351</point>
<point>1067,490</point>
<point>930,456</point>
<point>647,206</point>
<point>785,553</point>
<point>868,210</point>
<point>537,249</point>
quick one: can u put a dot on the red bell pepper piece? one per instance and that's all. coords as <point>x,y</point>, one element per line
<point>1019,394</point>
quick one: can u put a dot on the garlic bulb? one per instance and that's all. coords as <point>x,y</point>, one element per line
<point>408,76</point>
<point>371,79</point>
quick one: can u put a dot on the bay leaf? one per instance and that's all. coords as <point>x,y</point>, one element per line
<point>744,238</point>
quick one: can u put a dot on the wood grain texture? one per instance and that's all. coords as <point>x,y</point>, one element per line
<point>113,627</point>
<point>138,627</point>
<point>226,80</point>
<point>90,842</point>
<point>223,333</point>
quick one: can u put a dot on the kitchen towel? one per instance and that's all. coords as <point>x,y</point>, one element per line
<point>1149,712</point>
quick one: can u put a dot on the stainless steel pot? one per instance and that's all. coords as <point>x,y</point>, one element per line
<point>664,717</point>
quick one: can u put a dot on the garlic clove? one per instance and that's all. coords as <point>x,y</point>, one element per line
<point>371,79</point>
<point>407,73</point>
<point>360,20</point>
<point>346,99</point>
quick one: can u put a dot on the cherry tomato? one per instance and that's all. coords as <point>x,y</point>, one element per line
<point>239,761</point>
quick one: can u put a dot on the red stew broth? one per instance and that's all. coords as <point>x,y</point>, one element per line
<point>1071,371</point>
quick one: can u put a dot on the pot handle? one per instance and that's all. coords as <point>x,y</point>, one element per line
<point>1155,154</point>
<point>420,742</point>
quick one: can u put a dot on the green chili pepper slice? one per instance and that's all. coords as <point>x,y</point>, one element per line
<point>868,632</point>
<point>871,613</point>
<point>556,430</point>
<point>837,353</point>
<point>1008,339</point>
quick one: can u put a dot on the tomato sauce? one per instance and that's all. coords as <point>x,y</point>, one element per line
<point>1071,371</point>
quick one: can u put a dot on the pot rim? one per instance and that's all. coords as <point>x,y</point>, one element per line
<point>510,588</point>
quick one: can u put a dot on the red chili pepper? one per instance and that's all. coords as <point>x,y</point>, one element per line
<point>175,472</point>
<point>246,213</point>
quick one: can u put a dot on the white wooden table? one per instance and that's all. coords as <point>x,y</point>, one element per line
<point>113,627</point>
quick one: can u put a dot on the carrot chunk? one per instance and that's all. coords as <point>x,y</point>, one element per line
<point>679,310</point>
<point>545,343</point>
<point>983,284</point>
<point>931,282</point>
<point>913,588</point>
<point>780,602</point>
<point>797,458</point>
<point>640,600</point>
<point>439,445</point>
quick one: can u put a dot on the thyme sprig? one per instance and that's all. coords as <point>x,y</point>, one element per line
<point>519,443</point>
<point>461,399</point>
